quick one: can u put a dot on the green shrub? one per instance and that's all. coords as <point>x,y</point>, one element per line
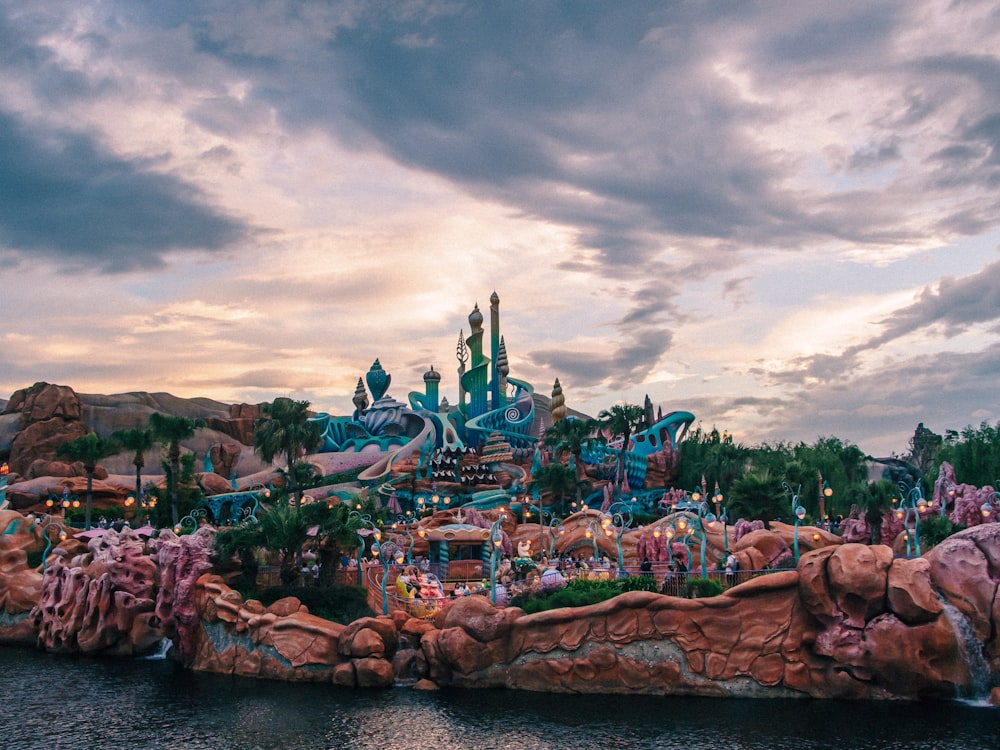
<point>935,530</point>
<point>703,588</point>
<point>581,593</point>
<point>638,583</point>
<point>342,604</point>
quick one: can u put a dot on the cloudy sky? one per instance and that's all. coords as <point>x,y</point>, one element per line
<point>781,216</point>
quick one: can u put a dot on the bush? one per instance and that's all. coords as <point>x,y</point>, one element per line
<point>935,530</point>
<point>581,593</point>
<point>703,588</point>
<point>342,604</point>
<point>638,583</point>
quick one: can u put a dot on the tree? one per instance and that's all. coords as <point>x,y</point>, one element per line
<point>172,430</point>
<point>572,436</point>
<point>621,420</point>
<point>756,496</point>
<point>139,441</point>
<point>285,430</point>
<point>557,479</point>
<point>88,449</point>
<point>285,529</point>
<point>974,454</point>
<point>303,475</point>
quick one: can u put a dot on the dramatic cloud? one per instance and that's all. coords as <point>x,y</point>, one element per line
<point>65,198</point>
<point>774,215</point>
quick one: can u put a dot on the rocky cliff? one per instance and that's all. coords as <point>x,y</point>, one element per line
<point>852,621</point>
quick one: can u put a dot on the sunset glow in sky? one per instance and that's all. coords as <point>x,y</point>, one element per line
<point>782,217</point>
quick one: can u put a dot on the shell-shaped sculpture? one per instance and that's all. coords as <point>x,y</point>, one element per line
<point>360,397</point>
<point>503,366</point>
<point>378,380</point>
<point>558,405</point>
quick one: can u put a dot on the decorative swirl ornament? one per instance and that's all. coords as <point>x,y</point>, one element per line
<point>512,414</point>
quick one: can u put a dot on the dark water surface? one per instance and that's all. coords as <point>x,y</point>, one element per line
<point>69,703</point>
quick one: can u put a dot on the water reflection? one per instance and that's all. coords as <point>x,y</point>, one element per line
<point>68,703</point>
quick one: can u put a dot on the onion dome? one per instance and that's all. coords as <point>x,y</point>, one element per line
<point>432,374</point>
<point>476,319</point>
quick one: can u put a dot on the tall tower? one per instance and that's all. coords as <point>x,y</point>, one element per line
<point>494,350</point>
<point>432,379</point>
<point>475,380</point>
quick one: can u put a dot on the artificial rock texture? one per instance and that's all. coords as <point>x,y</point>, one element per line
<point>852,621</point>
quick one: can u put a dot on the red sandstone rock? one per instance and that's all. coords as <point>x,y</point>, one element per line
<point>373,673</point>
<point>911,596</point>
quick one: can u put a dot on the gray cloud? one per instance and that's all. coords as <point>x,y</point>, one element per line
<point>953,305</point>
<point>64,197</point>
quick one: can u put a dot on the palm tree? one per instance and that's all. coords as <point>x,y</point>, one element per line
<point>558,480</point>
<point>137,440</point>
<point>88,449</point>
<point>756,496</point>
<point>285,430</point>
<point>572,436</point>
<point>622,420</point>
<point>172,430</point>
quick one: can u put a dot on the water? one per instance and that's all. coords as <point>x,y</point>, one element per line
<point>972,649</point>
<point>69,703</point>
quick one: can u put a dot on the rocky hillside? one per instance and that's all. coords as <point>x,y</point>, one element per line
<point>35,421</point>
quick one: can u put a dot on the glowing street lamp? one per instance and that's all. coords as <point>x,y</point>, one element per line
<point>496,544</point>
<point>669,532</point>
<point>798,512</point>
<point>191,519</point>
<point>912,501</point>
<point>365,528</point>
<point>988,508</point>
<point>825,491</point>
<point>720,512</point>
<point>388,552</point>
<point>48,539</point>
<point>619,515</point>
<point>4,471</point>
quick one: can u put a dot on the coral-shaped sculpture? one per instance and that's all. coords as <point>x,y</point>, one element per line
<point>102,601</point>
<point>361,396</point>
<point>378,380</point>
<point>558,405</point>
<point>181,561</point>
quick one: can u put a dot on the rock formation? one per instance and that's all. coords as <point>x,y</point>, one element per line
<point>852,621</point>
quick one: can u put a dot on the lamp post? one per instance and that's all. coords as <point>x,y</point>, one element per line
<point>705,515</point>
<point>191,518</point>
<point>825,491</point>
<point>591,532</point>
<point>797,511</point>
<point>4,471</point>
<point>669,532</point>
<point>987,508</point>
<point>496,542</point>
<point>64,501</point>
<point>555,528</point>
<point>720,512</point>
<point>366,528</point>
<point>912,500</point>
<point>620,515</point>
<point>400,527</point>
<point>48,540</point>
<point>389,551</point>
